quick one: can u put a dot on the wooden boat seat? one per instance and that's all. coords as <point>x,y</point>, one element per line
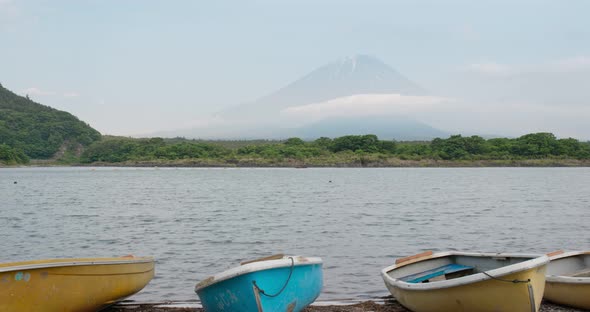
<point>448,271</point>
<point>582,273</point>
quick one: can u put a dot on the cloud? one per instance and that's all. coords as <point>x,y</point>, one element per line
<point>467,32</point>
<point>34,91</point>
<point>579,63</point>
<point>566,65</point>
<point>365,105</point>
<point>71,94</point>
<point>512,118</point>
<point>8,11</point>
<point>491,69</point>
<point>37,91</point>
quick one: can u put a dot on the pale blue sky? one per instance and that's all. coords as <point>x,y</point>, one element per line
<point>139,66</point>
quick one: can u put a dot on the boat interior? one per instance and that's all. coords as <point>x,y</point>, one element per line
<point>574,266</point>
<point>450,267</point>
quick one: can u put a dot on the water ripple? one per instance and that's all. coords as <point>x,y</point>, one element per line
<point>198,222</point>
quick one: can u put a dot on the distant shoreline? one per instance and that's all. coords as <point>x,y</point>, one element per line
<point>302,164</point>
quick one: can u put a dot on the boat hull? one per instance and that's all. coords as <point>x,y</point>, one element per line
<point>71,284</point>
<point>287,288</point>
<point>562,285</point>
<point>490,295</point>
<point>490,287</point>
<point>573,295</point>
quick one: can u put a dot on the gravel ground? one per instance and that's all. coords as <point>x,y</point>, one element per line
<point>368,306</point>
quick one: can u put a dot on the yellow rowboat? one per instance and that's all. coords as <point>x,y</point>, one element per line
<point>473,282</point>
<point>568,279</point>
<point>85,284</point>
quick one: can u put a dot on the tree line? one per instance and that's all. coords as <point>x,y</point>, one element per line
<point>456,147</point>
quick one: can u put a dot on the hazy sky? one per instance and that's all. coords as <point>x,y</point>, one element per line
<point>139,66</point>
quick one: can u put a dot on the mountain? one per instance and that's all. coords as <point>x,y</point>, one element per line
<point>361,74</point>
<point>355,95</point>
<point>38,130</point>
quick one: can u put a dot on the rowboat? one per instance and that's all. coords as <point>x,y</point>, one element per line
<point>275,283</point>
<point>461,281</point>
<point>568,279</point>
<point>81,284</point>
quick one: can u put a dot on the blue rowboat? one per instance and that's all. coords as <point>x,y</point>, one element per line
<point>275,283</point>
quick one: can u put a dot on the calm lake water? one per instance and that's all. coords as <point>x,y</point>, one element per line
<point>197,222</point>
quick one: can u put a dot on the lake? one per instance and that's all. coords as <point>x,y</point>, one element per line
<point>200,221</point>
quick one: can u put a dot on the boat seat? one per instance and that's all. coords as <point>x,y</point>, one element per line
<point>582,273</point>
<point>443,272</point>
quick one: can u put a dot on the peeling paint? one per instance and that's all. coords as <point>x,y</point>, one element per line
<point>291,306</point>
<point>302,259</point>
<point>226,299</point>
<point>20,276</point>
<point>206,282</point>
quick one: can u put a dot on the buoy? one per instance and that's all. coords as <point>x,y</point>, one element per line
<point>15,182</point>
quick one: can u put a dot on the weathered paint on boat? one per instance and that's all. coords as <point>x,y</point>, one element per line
<point>81,284</point>
<point>475,292</point>
<point>286,284</point>
<point>568,279</point>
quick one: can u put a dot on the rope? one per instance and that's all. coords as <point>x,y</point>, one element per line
<point>284,286</point>
<point>517,281</point>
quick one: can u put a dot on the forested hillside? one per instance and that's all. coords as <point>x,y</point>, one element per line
<point>32,130</point>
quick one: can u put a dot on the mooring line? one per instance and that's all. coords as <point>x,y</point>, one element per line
<point>284,286</point>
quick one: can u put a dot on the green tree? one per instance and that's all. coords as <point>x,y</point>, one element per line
<point>366,143</point>
<point>536,145</point>
<point>9,155</point>
<point>294,142</point>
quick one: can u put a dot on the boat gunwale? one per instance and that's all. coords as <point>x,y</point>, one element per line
<point>567,279</point>
<point>56,263</point>
<point>536,260</point>
<point>256,267</point>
